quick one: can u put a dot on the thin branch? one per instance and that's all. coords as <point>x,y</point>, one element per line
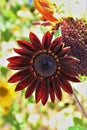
<point>79,103</point>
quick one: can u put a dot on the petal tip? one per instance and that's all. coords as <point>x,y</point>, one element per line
<point>44,103</point>
<point>17,88</point>
<point>26,96</point>
<point>31,34</point>
<point>60,98</point>
<point>9,80</point>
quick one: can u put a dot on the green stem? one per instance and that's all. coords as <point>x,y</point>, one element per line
<point>79,103</point>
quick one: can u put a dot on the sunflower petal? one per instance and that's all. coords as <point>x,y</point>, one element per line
<point>17,67</point>
<point>35,41</point>
<point>23,52</point>
<point>44,96</point>
<point>26,45</point>
<point>57,89</point>
<point>52,95</point>
<point>51,89</point>
<point>74,79</point>
<point>65,85</point>
<point>69,60</point>
<point>46,40</point>
<point>64,51</point>
<point>55,43</point>
<point>31,88</point>
<point>39,91</point>
<point>38,94</point>
<point>18,59</point>
<point>18,76</point>
<point>19,62</point>
<point>57,49</point>
<point>24,82</point>
<point>69,71</point>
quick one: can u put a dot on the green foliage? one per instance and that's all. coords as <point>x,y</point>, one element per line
<point>58,33</point>
<point>76,128</point>
<point>51,105</point>
<point>80,122</point>
<point>77,121</point>
<point>9,15</point>
<point>43,110</point>
<point>10,118</point>
<point>30,99</point>
<point>36,126</point>
<point>83,78</point>
<point>4,70</point>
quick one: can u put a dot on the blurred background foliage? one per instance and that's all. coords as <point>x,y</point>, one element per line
<point>16,112</point>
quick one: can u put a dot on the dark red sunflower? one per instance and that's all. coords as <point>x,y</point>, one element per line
<point>44,67</point>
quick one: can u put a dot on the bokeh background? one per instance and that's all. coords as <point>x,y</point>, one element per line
<point>16,112</point>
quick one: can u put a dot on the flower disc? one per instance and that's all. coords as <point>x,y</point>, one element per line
<point>3,91</point>
<point>45,65</point>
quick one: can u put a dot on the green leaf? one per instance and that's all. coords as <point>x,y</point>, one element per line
<point>83,77</point>
<point>0,54</point>
<point>58,33</point>
<point>30,99</point>
<point>9,14</point>
<point>51,105</point>
<point>43,110</point>
<point>4,70</point>
<point>78,121</point>
<point>76,128</point>
<point>12,119</point>
<point>2,24</point>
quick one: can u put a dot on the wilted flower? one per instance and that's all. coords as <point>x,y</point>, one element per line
<point>74,34</point>
<point>44,67</point>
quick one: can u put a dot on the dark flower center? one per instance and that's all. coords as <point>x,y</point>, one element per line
<point>3,91</point>
<point>45,64</point>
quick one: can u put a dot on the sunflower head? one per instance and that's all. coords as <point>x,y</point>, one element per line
<point>7,95</point>
<point>74,34</point>
<point>3,91</point>
<point>44,67</point>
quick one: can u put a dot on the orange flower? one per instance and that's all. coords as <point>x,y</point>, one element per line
<point>46,9</point>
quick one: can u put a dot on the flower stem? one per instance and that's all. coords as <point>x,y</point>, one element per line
<point>79,103</point>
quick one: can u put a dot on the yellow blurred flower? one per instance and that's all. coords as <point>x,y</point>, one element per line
<point>7,96</point>
<point>46,8</point>
<point>16,28</point>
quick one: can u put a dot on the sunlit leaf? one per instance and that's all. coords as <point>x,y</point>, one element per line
<point>4,70</point>
<point>75,128</point>
<point>43,110</point>
<point>2,24</point>
<point>30,99</point>
<point>9,14</point>
<point>83,77</point>
<point>78,121</point>
<point>51,105</point>
<point>58,33</point>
